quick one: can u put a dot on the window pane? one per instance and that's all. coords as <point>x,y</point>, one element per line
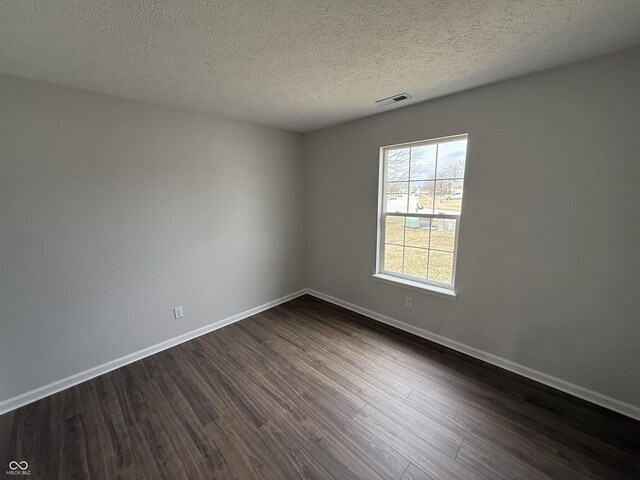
<point>394,230</point>
<point>451,158</point>
<point>443,234</point>
<point>397,197</point>
<point>398,164</point>
<point>448,196</point>
<point>415,262</point>
<point>417,232</point>
<point>423,162</point>
<point>421,197</point>
<point>393,258</point>
<point>440,266</point>
<point>423,182</point>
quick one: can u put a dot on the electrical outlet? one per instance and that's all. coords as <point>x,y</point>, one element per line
<point>408,302</point>
<point>178,313</point>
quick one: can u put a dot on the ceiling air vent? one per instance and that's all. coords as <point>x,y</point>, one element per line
<point>400,97</point>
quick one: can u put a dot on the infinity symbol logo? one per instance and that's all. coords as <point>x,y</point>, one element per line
<point>13,465</point>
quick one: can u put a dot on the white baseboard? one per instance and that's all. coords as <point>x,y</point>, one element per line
<point>549,380</point>
<point>567,387</point>
<point>50,389</point>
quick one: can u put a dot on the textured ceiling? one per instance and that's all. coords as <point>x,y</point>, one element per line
<point>301,64</point>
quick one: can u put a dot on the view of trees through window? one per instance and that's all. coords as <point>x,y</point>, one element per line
<point>423,189</point>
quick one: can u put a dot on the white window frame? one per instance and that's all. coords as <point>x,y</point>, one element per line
<point>430,286</point>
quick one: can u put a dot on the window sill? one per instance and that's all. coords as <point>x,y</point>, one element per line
<point>421,287</point>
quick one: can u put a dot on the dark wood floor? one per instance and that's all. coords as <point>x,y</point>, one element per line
<point>309,390</point>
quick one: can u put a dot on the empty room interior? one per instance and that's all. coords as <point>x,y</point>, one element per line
<point>295,239</point>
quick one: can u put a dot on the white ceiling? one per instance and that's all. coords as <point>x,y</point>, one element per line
<point>301,64</point>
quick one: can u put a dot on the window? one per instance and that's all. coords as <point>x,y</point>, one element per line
<point>420,200</point>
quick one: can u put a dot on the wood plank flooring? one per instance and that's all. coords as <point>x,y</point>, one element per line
<point>308,390</point>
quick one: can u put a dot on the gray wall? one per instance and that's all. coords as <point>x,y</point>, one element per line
<point>549,259</point>
<point>113,212</point>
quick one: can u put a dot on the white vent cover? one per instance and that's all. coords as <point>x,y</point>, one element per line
<point>399,97</point>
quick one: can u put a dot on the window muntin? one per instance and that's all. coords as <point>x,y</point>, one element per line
<point>420,208</point>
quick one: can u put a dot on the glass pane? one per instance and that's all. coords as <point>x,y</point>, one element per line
<point>394,230</point>
<point>440,266</point>
<point>417,232</point>
<point>451,158</point>
<point>423,162</point>
<point>421,197</point>
<point>448,196</point>
<point>393,258</point>
<point>398,164</point>
<point>397,197</point>
<point>443,234</point>
<point>415,262</point>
